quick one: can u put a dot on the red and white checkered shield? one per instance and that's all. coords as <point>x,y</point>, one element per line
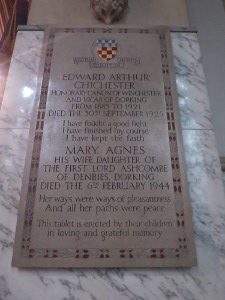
<point>106,49</point>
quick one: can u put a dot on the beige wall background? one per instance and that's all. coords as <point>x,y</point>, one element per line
<point>78,13</point>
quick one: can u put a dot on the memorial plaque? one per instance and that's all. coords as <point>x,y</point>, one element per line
<point>104,182</point>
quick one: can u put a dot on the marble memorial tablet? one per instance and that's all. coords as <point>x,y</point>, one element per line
<point>104,182</point>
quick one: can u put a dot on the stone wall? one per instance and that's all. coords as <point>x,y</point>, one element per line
<point>78,13</point>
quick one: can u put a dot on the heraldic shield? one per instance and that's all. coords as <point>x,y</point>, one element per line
<point>107,49</point>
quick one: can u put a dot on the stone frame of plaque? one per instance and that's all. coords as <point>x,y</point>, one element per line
<point>182,254</point>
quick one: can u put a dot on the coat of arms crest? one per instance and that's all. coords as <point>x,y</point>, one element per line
<point>106,49</point>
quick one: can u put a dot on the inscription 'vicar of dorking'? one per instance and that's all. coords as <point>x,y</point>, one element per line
<point>105,145</point>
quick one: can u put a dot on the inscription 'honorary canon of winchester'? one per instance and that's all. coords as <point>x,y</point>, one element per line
<point>104,182</point>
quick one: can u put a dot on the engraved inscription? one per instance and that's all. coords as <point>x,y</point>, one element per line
<point>105,178</point>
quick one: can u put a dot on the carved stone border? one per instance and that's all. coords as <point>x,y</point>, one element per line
<point>184,248</point>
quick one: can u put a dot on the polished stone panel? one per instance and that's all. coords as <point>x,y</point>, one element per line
<point>18,100</point>
<point>104,177</point>
<point>208,17</point>
<point>205,282</point>
<point>190,79</point>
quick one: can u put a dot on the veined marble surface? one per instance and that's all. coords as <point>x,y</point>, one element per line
<point>191,87</point>
<point>21,85</point>
<point>204,282</point>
